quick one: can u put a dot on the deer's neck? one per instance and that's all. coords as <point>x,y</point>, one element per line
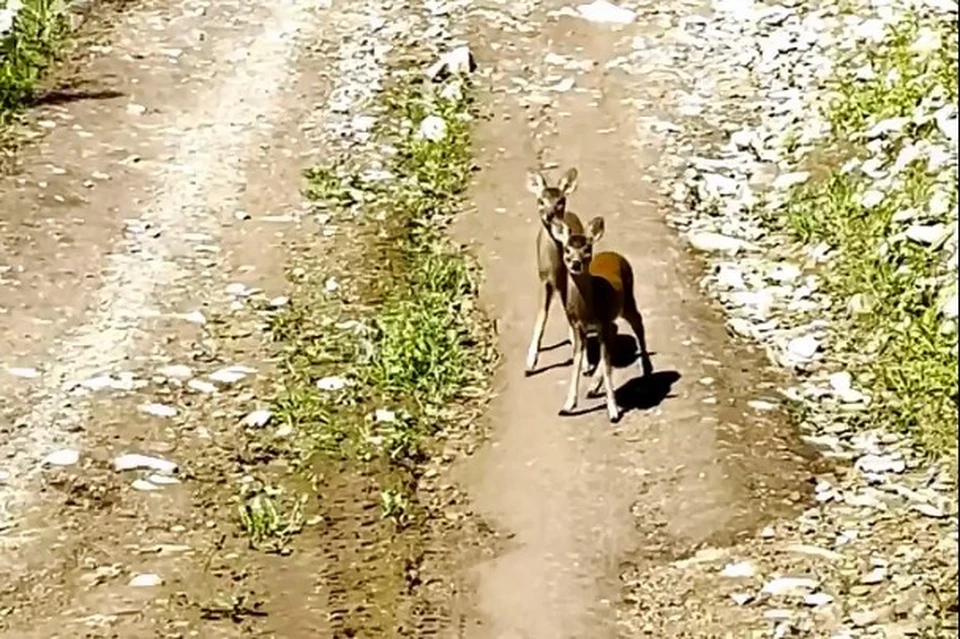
<point>580,296</point>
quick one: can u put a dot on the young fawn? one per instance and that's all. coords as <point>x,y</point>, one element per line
<point>551,206</point>
<point>599,290</point>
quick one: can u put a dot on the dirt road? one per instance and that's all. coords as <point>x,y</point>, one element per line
<point>212,112</point>
<point>691,463</point>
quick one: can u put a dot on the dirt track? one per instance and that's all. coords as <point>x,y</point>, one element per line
<point>210,114</point>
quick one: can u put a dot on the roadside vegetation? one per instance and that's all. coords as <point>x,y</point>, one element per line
<point>32,36</point>
<point>888,210</point>
<point>386,357</point>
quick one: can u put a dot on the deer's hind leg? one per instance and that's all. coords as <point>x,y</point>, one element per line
<point>546,296</point>
<point>635,320</point>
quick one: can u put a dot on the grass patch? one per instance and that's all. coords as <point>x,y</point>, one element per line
<point>32,35</point>
<point>890,288</point>
<point>387,351</point>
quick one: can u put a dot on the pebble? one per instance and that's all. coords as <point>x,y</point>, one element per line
<point>144,462</point>
<point>62,457</point>
<point>158,410</point>
<point>146,580</point>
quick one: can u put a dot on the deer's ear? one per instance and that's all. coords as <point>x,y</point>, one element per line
<point>559,231</point>
<point>568,183</point>
<point>595,228</point>
<point>535,183</point>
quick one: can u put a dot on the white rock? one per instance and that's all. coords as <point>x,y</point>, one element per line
<point>785,273</point>
<point>841,381</point>
<point>146,580</point>
<point>62,457</point>
<point>144,486</point>
<point>715,243</point>
<point>231,374</point>
<point>332,383</point>
<point>886,127</point>
<point>602,11</point>
<point>257,418</point>
<point>26,373</point>
<point>729,276</point>
<point>134,461</point>
<point>761,405</point>
<point>432,128</point>
<point>741,598</point>
<point>194,317</point>
<point>786,181</point>
<point>803,348</point>
<point>202,386</point>
<point>279,301</point>
<point>331,285</point>
<point>738,570</point>
<point>871,198</point>
<point>158,410</point>
<point>238,289</point>
<point>162,480</point>
<point>817,599</point>
<point>949,306</point>
<point>926,234</point>
<point>789,586</point>
<point>459,60</point>
<point>880,464</point>
<point>176,371</point>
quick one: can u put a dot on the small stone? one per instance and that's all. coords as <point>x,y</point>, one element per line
<point>814,551</point>
<point>258,418</point>
<point>201,386</point>
<point>231,374</point>
<point>803,348</point>
<point>862,618</point>
<point>715,243</point>
<point>871,199</point>
<point>789,585</point>
<point>926,234</point>
<point>146,580</point>
<point>761,405</point>
<point>880,464</point>
<point>332,383</point>
<point>279,301</point>
<point>158,410</point>
<point>875,576</point>
<point>432,128</point>
<point>742,598</point>
<point>459,60</point>
<point>26,373</point>
<point>62,457</point>
<point>176,371</point>
<point>135,462</point>
<point>143,485</point>
<point>601,11</point>
<point>738,570</point>
<point>785,181</point>
<point>817,599</point>
<point>929,510</point>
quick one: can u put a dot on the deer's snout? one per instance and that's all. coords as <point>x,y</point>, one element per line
<point>575,265</point>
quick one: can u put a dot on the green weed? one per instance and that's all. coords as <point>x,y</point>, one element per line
<point>39,30</point>
<point>892,334</point>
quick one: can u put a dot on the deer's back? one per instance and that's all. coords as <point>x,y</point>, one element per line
<point>612,276</point>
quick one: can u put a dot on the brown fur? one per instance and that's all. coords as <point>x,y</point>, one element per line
<point>599,290</point>
<point>551,207</point>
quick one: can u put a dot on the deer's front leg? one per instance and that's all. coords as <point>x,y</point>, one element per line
<point>606,368</point>
<point>574,389</point>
